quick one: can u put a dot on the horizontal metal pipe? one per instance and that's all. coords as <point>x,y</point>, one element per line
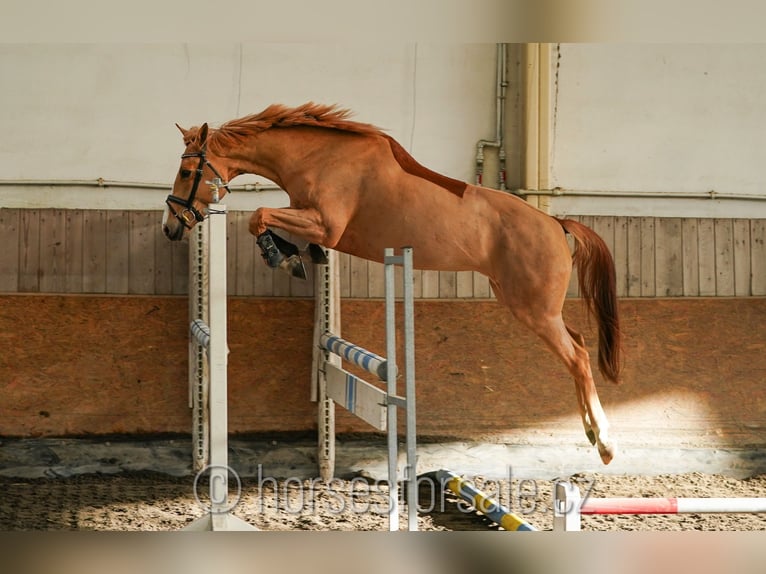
<point>104,183</point>
<point>557,192</point>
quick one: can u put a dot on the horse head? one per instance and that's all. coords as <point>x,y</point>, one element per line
<point>187,203</point>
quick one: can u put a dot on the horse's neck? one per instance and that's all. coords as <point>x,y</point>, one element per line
<point>280,153</point>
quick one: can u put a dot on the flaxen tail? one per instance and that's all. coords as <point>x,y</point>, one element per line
<point>596,271</point>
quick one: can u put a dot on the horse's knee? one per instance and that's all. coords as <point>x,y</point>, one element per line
<point>256,225</point>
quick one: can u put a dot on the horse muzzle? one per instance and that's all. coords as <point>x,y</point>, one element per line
<point>173,232</point>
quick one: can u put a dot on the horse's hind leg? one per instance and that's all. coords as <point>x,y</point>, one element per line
<point>570,347</point>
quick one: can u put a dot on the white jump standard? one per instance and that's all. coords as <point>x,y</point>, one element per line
<point>377,407</point>
<point>208,354</point>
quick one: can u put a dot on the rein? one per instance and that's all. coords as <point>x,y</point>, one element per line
<point>189,212</point>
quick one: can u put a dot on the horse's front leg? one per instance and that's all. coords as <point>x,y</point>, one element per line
<point>280,253</point>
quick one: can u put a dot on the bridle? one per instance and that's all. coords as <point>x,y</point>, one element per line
<point>190,213</point>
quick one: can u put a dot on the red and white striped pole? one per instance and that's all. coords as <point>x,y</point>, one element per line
<point>568,506</point>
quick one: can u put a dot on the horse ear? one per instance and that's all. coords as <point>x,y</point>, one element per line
<point>202,134</point>
<point>183,131</point>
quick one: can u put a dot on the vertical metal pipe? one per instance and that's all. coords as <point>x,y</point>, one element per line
<point>391,422</point>
<point>501,82</point>
<point>502,56</point>
<point>409,378</point>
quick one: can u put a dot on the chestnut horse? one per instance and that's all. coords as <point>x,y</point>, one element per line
<point>355,189</point>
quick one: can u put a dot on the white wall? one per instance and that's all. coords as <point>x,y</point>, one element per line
<point>660,118</point>
<point>647,118</point>
<point>107,110</point>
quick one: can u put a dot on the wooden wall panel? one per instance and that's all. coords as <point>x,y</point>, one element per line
<point>693,370</point>
<point>117,251</point>
<point>141,263</point>
<point>742,246</point>
<point>690,257</point>
<point>9,254</point>
<point>724,257</point>
<point>669,280</point>
<point>758,256</point>
<point>73,280</point>
<point>29,251</point>
<point>125,252</point>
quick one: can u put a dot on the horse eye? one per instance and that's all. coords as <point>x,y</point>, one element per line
<point>185,173</point>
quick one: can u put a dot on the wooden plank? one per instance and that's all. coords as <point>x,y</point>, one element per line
<point>361,398</point>
<point>53,248</point>
<point>706,256</point>
<point>244,270</point>
<point>464,284</point>
<point>180,258</point>
<point>724,257</point>
<point>94,251</point>
<point>344,274</point>
<point>141,261</point>
<point>447,284</point>
<point>690,257</point>
<point>648,258</point>
<point>163,259</point>
<point>669,278</point>
<point>604,226</point>
<point>29,251</point>
<point>375,279</point>
<point>481,289</point>
<point>634,256</point>
<point>9,254</point>
<point>117,251</point>
<point>73,257</point>
<point>742,248</point>
<point>430,285</point>
<point>359,287</point>
<point>621,255</point>
<point>417,283</point>
<point>758,256</point>
<point>232,236</point>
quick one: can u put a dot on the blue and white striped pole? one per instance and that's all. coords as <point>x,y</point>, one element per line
<point>360,356</point>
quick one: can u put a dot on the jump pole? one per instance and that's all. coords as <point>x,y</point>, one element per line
<point>208,352</point>
<point>333,385</point>
<point>481,502</point>
<point>568,506</point>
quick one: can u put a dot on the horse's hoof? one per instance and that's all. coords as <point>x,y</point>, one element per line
<point>317,254</point>
<point>294,266</point>
<point>591,436</point>
<point>607,451</point>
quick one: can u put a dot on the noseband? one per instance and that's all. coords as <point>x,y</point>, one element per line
<point>189,211</point>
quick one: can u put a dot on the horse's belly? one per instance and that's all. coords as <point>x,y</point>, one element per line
<point>433,249</point>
